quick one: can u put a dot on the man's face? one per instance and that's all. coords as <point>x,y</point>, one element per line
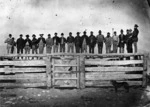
<point>100,32</point>
<point>55,34</point>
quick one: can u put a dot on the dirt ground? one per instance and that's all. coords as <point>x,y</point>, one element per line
<point>89,97</point>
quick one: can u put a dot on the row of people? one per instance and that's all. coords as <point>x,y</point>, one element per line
<point>79,42</point>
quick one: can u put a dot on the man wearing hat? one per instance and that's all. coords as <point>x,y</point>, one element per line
<point>49,44</point>
<point>135,37</point>
<point>56,41</point>
<point>9,43</point>
<point>28,45</point>
<point>41,43</point>
<point>92,42</point>
<point>62,43</point>
<point>34,44</point>
<point>84,42</point>
<point>100,40</point>
<point>78,43</point>
<point>20,44</point>
<point>122,40</point>
<point>115,42</point>
<point>70,42</point>
<point>108,43</point>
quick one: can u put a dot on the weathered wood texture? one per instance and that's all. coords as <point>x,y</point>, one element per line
<point>23,63</point>
<point>123,62</point>
<point>82,72</point>
<point>115,69</point>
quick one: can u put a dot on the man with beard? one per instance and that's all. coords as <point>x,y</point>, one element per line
<point>41,43</point>
<point>100,41</point>
<point>9,43</point>
<point>56,41</point>
<point>84,42</point>
<point>70,41</point>
<point>28,45</point>
<point>49,44</point>
<point>34,44</point>
<point>78,43</point>
<point>135,37</point>
<point>108,43</point>
<point>92,42</point>
<point>121,42</point>
<point>62,43</point>
<point>20,44</point>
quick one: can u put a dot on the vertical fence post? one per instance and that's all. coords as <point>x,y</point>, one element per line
<point>145,64</point>
<point>78,69</point>
<point>48,71</point>
<point>82,71</point>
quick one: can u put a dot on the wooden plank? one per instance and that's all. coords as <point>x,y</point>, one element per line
<point>118,68</point>
<point>74,54</point>
<point>122,62</point>
<point>82,72</point>
<point>111,76</point>
<point>24,63</point>
<point>22,85</point>
<point>65,78</point>
<point>48,72</point>
<point>22,70</point>
<point>65,65</point>
<point>145,70</point>
<point>107,83</point>
<point>23,76</point>
<point>65,86</point>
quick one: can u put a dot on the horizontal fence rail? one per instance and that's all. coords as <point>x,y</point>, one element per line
<point>72,70</point>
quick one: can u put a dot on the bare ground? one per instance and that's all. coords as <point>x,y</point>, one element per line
<point>89,97</point>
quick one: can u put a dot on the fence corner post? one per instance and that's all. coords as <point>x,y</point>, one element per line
<point>145,65</point>
<point>48,72</point>
<point>82,71</point>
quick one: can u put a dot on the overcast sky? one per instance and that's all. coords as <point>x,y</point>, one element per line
<point>49,16</point>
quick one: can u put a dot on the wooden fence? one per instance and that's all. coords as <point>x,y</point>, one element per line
<point>72,70</point>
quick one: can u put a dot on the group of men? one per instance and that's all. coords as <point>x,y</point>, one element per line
<point>79,42</point>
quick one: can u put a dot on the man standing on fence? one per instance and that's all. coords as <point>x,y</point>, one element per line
<point>9,43</point>
<point>41,43</point>
<point>13,45</point>
<point>84,40</point>
<point>62,43</point>
<point>49,44</point>
<point>78,43</point>
<point>56,41</point>
<point>92,42</point>
<point>135,37</point>
<point>121,42</point>
<point>100,40</point>
<point>34,44</point>
<point>20,44</point>
<point>28,45</point>
<point>115,42</point>
<point>70,42</point>
<point>108,43</point>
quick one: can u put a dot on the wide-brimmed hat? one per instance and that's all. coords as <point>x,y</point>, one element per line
<point>70,32</point>
<point>27,35</point>
<point>136,25</point>
<point>78,32</point>
<point>62,33</point>
<point>33,35</point>
<point>41,34</point>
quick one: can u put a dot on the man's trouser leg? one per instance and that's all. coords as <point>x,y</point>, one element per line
<point>135,47</point>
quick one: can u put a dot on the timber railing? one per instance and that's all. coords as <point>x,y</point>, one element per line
<point>72,70</point>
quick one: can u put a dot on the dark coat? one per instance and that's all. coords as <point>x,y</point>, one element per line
<point>70,39</point>
<point>122,40</point>
<point>86,38</point>
<point>78,41</point>
<point>39,39</point>
<point>135,35</point>
<point>20,43</point>
<point>57,40</point>
<point>64,39</point>
<point>92,41</point>
<point>29,41</point>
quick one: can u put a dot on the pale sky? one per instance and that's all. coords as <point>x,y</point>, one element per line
<point>49,16</point>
